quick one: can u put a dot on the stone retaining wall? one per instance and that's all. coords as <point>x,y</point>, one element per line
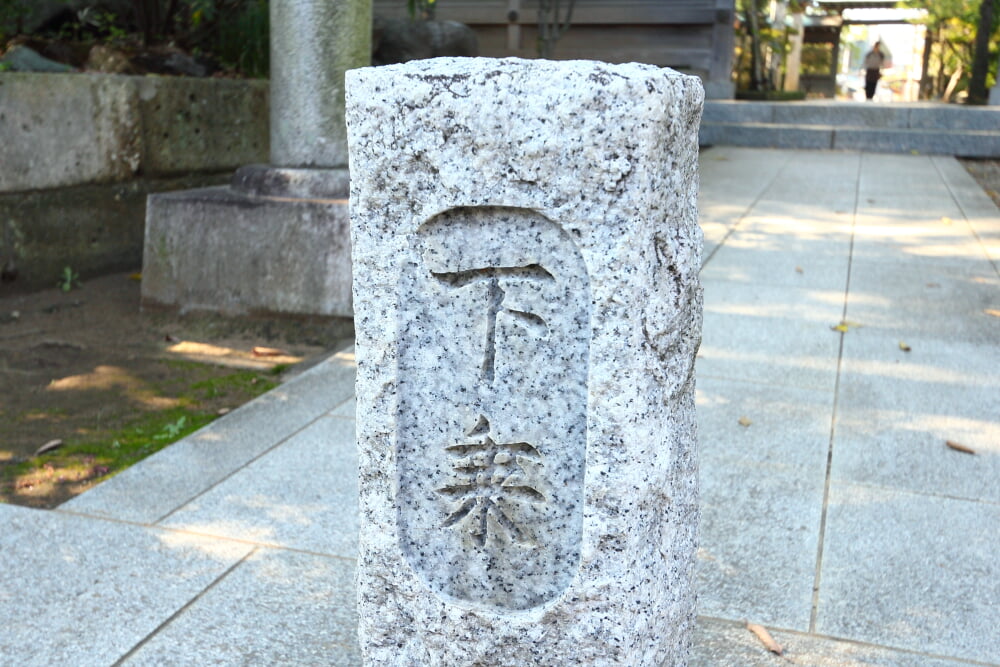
<point>80,152</point>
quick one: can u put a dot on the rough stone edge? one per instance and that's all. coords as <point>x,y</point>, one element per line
<point>376,437</point>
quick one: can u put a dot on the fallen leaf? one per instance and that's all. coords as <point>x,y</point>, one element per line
<point>959,447</point>
<point>992,311</point>
<point>946,220</point>
<point>904,347</point>
<point>49,446</point>
<point>765,638</point>
<point>743,421</point>
<point>798,269</point>
<point>224,411</point>
<point>267,352</point>
<point>137,277</point>
<point>845,325</point>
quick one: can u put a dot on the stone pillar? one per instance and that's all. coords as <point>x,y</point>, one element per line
<point>277,240</point>
<point>526,252</point>
<point>313,42</point>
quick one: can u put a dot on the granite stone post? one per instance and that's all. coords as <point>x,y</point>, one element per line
<point>527,310</point>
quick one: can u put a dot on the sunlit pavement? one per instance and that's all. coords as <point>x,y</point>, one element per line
<point>852,330</point>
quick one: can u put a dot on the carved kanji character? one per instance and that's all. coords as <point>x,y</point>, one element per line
<point>491,479</point>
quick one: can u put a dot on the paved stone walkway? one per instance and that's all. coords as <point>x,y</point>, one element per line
<point>833,512</point>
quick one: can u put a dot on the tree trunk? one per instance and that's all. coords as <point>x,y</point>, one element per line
<point>795,56</point>
<point>952,83</point>
<point>926,81</point>
<point>756,53</point>
<point>550,26</point>
<point>981,58</point>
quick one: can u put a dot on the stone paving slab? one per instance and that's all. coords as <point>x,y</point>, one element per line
<point>978,209</point>
<point>276,608</point>
<point>347,410</point>
<point>749,258</point>
<point>897,409</point>
<point>759,532</point>
<point>728,191</point>
<point>769,351</point>
<point>173,476</point>
<point>787,428</point>
<point>925,300</point>
<point>283,499</point>
<point>80,591</point>
<point>724,643</point>
<point>912,571</point>
<point>770,335</point>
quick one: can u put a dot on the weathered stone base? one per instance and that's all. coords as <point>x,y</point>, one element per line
<point>93,229</point>
<point>226,251</point>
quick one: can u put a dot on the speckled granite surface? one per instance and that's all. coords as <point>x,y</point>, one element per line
<point>527,307</point>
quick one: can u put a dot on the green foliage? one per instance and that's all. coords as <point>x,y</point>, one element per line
<point>68,279</point>
<point>11,14</point>
<point>757,42</point>
<point>239,35</point>
<point>953,25</point>
<point>171,430</point>
<point>421,9</point>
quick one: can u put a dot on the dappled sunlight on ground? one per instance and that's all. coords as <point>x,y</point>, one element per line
<point>346,358</point>
<point>940,427</point>
<point>927,373</point>
<point>802,220</point>
<point>790,361</point>
<point>104,378</point>
<point>301,514</point>
<point>254,359</point>
<point>194,540</point>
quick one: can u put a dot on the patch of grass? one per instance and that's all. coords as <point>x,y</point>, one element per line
<point>248,383</point>
<point>83,462</point>
<point>95,455</point>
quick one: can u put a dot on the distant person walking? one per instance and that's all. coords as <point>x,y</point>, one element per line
<point>873,69</point>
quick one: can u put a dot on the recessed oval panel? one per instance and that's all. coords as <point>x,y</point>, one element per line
<point>491,439</point>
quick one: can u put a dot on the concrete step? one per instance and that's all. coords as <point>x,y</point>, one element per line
<point>933,129</point>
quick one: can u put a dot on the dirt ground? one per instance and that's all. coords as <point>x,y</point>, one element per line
<point>104,385</point>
